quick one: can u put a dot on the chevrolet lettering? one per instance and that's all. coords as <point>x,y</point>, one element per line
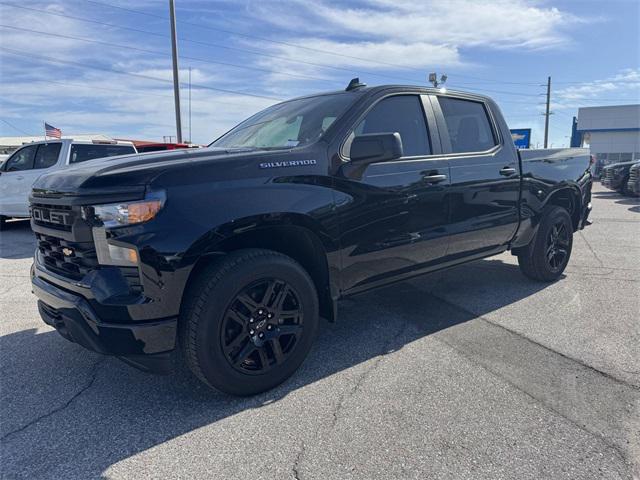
<point>51,216</point>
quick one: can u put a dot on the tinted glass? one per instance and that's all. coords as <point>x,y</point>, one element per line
<point>22,159</point>
<point>84,152</point>
<point>289,124</point>
<point>152,148</point>
<point>402,114</point>
<point>47,155</point>
<point>468,125</point>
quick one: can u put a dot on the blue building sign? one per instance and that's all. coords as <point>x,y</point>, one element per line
<point>521,137</point>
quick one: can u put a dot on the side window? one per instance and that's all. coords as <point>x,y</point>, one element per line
<point>468,125</point>
<point>81,152</point>
<point>47,155</point>
<point>402,114</point>
<point>22,159</point>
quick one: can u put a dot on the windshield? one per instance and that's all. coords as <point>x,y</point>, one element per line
<point>289,124</point>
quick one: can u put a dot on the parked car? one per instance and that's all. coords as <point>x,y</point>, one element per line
<point>230,254</point>
<point>616,176</point>
<point>21,169</point>
<point>158,147</point>
<point>633,184</point>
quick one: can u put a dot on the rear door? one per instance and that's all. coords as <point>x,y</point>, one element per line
<point>393,215</point>
<point>485,177</point>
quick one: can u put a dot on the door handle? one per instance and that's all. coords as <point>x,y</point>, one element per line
<point>506,171</point>
<point>434,178</point>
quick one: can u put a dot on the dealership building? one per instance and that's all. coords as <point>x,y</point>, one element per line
<point>612,133</point>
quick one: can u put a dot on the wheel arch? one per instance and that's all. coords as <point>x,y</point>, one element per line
<point>569,198</point>
<point>297,236</point>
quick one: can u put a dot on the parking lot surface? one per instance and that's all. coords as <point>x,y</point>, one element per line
<point>474,373</point>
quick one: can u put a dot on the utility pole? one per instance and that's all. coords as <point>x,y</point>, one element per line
<point>547,113</point>
<point>176,79</point>
<point>189,104</point>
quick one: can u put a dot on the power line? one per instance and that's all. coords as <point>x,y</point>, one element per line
<point>16,128</point>
<point>264,54</point>
<point>254,52</point>
<point>131,74</point>
<point>155,52</point>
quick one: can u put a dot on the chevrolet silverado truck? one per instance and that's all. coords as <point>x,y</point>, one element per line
<point>633,184</point>
<point>225,258</point>
<point>616,176</point>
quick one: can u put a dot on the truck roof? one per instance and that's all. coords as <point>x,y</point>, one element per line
<point>363,90</point>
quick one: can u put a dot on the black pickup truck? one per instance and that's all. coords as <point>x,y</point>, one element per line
<point>226,257</point>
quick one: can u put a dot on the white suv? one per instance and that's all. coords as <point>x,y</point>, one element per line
<point>26,164</point>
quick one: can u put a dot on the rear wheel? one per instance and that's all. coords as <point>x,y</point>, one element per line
<point>546,257</point>
<point>249,321</point>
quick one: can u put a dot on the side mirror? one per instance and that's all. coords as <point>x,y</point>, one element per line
<point>375,147</point>
<point>371,148</point>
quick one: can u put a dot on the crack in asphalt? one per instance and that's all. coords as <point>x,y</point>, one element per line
<point>345,396</point>
<point>89,384</point>
<point>593,252</point>
<point>360,380</point>
<point>296,463</point>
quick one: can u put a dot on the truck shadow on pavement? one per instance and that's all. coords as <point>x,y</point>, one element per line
<point>69,413</point>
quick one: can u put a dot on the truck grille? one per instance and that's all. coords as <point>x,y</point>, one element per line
<point>66,245</point>
<point>57,217</point>
<point>70,259</point>
<point>634,173</point>
<point>608,174</point>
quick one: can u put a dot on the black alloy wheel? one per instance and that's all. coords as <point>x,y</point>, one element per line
<point>548,253</point>
<point>261,326</point>
<point>557,246</point>
<point>248,321</point>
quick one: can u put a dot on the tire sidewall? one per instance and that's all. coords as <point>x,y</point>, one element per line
<point>213,362</point>
<point>552,217</point>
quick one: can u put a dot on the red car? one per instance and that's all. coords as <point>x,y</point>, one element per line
<point>157,147</point>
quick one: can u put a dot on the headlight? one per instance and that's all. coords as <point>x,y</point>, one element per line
<point>120,214</point>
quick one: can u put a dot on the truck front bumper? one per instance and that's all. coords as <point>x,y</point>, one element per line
<point>145,345</point>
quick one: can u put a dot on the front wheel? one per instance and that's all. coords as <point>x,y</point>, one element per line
<point>546,257</point>
<point>249,321</point>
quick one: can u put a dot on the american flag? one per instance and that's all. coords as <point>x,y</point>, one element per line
<point>51,131</point>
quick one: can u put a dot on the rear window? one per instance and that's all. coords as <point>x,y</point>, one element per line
<point>152,148</point>
<point>84,152</point>
<point>468,125</point>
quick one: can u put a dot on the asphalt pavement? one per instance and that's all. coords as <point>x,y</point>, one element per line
<point>471,373</point>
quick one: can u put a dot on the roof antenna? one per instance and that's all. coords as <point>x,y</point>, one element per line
<point>353,84</point>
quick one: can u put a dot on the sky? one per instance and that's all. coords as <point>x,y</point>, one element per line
<point>104,67</point>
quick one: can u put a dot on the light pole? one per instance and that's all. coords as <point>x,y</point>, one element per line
<point>176,79</point>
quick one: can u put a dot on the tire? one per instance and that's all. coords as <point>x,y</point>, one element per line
<point>240,304</point>
<point>625,187</point>
<point>545,259</point>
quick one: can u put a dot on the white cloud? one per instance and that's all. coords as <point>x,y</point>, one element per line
<point>623,85</point>
<point>412,34</point>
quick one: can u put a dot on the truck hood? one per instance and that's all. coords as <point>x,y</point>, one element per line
<point>127,172</point>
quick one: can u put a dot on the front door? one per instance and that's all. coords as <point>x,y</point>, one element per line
<point>20,172</point>
<point>393,215</point>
